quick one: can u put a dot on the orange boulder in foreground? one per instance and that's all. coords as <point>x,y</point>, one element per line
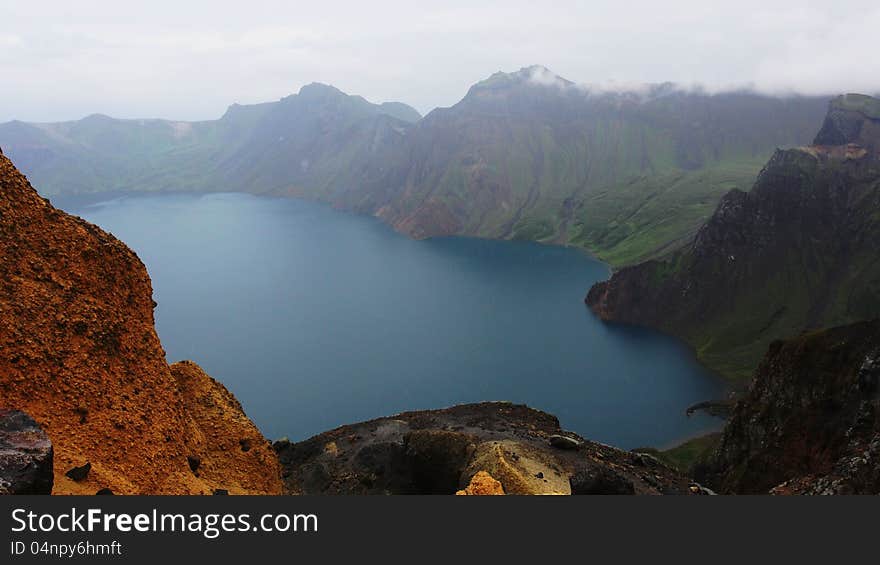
<point>482,484</point>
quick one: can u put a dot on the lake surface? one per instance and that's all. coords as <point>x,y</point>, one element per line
<point>316,318</point>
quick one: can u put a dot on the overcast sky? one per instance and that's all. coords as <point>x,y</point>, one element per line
<point>189,60</point>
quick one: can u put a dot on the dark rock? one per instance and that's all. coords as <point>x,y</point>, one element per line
<point>869,374</point>
<point>717,408</point>
<point>194,462</point>
<point>83,413</point>
<point>221,492</point>
<point>315,479</point>
<point>104,492</point>
<point>245,444</point>
<point>26,455</point>
<point>563,442</point>
<point>599,480</point>
<point>438,451</point>
<point>848,121</point>
<point>809,421</point>
<point>79,473</point>
<point>437,459</point>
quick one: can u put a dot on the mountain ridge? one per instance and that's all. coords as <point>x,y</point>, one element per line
<point>523,155</point>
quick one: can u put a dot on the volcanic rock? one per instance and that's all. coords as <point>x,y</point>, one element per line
<point>79,353</point>
<point>808,424</point>
<point>441,451</point>
<point>482,484</point>
<point>25,455</point>
<point>79,473</point>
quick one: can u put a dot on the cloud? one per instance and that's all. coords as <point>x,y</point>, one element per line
<point>190,60</point>
<point>9,40</point>
<point>545,77</point>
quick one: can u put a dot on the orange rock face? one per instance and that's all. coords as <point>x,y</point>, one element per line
<point>482,484</point>
<point>80,354</point>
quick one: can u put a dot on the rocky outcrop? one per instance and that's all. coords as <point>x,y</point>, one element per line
<point>444,451</point>
<point>854,119</point>
<point>797,252</point>
<point>25,455</point>
<point>230,450</point>
<point>79,353</point>
<point>810,422</point>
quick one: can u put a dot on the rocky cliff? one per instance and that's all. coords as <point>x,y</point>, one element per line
<point>797,252</point>
<point>810,422</point>
<point>487,448</point>
<point>79,353</point>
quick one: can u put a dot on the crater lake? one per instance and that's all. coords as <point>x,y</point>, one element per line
<point>316,318</point>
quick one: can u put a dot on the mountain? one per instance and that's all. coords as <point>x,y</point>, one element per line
<point>797,252</point>
<point>320,143</point>
<point>531,155</point>
<point>304,139</point>
<point>810,422</point>
<point>79,354</point>
<point>527,155</point>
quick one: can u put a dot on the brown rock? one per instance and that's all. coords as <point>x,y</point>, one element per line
<point>220,429</point>
<point>80,354</point>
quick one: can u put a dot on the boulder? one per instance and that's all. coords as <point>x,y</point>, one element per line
<point>563,442</point>
<point>595,479</point>
<point>193,462</point>
<point>26,455</point>
<point>79,473</point>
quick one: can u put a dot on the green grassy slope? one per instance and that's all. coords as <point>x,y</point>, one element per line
<point>686,455</point>
<point>653,215</point>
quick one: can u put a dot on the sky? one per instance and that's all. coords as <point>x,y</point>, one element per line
<point>189,60</point>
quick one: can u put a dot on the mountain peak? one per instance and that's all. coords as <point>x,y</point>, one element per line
<point>319,89</point>
<point>862,103</point>
<point>540,74</point>
<point>97,117</point>
<point>851,119</point>
<point>534,75</point>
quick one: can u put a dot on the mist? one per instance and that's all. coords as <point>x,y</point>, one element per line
<point>189,61</point>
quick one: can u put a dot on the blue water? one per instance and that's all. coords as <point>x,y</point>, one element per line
<point>316,318</point>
